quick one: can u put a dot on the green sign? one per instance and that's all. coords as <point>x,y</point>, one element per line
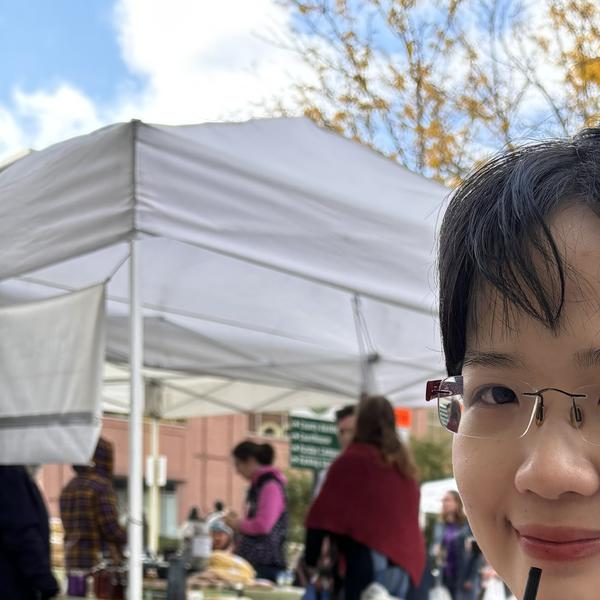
<point>313,443</point>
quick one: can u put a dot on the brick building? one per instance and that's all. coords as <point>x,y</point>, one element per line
<point>199,467</point>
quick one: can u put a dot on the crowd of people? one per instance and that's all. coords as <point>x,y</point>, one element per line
<point>362,527</point>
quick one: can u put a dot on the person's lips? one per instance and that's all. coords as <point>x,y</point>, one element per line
<point>558,543</point>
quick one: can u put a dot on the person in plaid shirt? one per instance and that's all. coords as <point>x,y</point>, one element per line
<point>88,508</point>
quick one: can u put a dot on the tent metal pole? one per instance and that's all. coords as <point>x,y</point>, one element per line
<point>154,508</point>
<point>136,427</point>
<point>368,357</point>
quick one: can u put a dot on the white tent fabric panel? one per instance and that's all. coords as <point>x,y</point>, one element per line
<point>70,199</point>
<point>255,238</point>
<point>308,341</point>
<point>280,192</point>
<point>180,396</point>
<point>291,196</point>
<point>51,357</point>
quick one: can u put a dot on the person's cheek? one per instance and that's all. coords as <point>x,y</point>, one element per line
<point>466,466</point>
<point>482,482</point>
<point>484,472</point>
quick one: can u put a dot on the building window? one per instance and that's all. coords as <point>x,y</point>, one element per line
<point>270,429</point>
<point>168,513</point>
<point>273,425</point>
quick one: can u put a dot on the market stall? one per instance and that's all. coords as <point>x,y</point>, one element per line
<point>268,253</point>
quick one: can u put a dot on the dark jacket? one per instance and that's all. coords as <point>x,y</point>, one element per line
<point>25,572</point>
<point>468,557</point>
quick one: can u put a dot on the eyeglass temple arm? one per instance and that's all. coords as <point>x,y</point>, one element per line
<point>432,390</point>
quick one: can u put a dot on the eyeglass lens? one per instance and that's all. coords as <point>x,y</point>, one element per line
<point>506,410</point>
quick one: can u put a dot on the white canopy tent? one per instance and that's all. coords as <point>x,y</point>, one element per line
<point>265,257</point>
<point>433,492</point>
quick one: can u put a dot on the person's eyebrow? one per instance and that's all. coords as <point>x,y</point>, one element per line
<point>493,359</point>
<point>587,359</point>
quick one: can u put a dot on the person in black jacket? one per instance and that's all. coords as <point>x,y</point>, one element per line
<point>25,572</point>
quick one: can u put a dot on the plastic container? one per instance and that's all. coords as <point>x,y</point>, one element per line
<point>77,584</point>
<point>200,544</point>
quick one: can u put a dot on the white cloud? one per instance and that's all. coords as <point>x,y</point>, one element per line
<point>55,115</point>
<point>197,60</point>
<point>12,139</point>
<point>205,60</point>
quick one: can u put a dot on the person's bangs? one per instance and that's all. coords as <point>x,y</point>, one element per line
<point>496,236</point>
<point>527,276</point>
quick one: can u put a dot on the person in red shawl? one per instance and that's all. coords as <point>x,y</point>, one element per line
<point>369,506</point>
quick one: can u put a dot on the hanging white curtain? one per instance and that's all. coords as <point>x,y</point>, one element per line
<point>51,359</point>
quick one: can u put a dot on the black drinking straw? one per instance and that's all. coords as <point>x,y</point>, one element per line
<point>533,581</point>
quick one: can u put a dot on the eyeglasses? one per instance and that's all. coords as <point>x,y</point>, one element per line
<point>506,410</point>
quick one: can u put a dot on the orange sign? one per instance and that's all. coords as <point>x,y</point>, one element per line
<point>403,417</point>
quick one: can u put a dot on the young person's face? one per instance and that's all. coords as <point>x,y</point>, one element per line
<point>346,428</point>
<point>535,500</point>
<point>449,505</point>
<point>245,468</point>
<point>220,540</point>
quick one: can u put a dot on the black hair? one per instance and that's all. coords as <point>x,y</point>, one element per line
<point>264,454</point>
<point>495,233</point>
<point>346,411</point>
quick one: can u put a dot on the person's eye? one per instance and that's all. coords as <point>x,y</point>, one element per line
<point>494,395</point>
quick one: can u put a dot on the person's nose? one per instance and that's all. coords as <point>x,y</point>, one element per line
<point>557,460</point>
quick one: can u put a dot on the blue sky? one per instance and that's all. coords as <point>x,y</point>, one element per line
<point>70,66</point>
<point>43,43</point>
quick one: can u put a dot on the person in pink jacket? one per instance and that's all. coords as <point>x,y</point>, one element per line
<point>263,530</point>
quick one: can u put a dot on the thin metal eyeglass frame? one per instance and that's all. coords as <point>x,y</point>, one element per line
<point>537,413</point>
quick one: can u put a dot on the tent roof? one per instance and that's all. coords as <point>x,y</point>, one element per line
<point>256,237</point>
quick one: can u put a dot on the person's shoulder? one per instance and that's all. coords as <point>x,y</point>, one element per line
<point>15,481</point>
<point>465,529</point>
<point>12,473</point>
<point>270,475</point>
<point>359,450</point>
<point>100,482</point>
<point>356,456</point>
<point>89,482</point>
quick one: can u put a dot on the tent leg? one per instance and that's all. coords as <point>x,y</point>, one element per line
<point>154,509</point>
<point>136,431</point>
